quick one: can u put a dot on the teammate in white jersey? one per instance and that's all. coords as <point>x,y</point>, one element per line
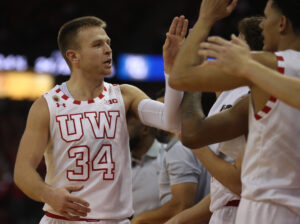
<point>270,176</point>
<point>224,200</point>
<point>83,123</point>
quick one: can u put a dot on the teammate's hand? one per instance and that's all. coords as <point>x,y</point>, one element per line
<point>213,10</point>
<point>174,40</point>
<point>231,56</point>
<point>69,206</point>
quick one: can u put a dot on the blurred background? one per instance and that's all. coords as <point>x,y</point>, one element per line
<point>31,65</point>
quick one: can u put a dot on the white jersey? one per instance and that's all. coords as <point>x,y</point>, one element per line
<point>219,194</point>
<point>271,165</point>
<point>91,148</point>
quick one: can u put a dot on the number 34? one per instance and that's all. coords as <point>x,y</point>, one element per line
<point>102,161</point>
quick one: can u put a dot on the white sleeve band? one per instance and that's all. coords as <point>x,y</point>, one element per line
<point>165,116</point>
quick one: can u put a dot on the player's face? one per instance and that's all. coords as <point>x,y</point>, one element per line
<point>270,26</point>
<point>95,53</point>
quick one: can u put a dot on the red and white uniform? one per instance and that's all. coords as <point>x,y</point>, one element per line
<point>270,169</point>
<point>224,203</point>
<point>91,148</point>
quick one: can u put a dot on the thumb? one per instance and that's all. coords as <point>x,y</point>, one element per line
<point>238,41</point>
<point>72,188</point>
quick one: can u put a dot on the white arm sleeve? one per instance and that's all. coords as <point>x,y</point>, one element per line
<point>165,116</point>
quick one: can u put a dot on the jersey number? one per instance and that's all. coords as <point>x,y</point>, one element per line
<point>102,161</point>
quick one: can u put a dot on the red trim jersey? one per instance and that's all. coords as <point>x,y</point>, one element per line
<point>271,164</point>
<point>90,147</point>
<point>219,194</point>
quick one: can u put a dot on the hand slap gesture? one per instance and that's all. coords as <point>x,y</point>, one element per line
<point>231,56</point>
<point>174,40</point>
<point>213,10</point>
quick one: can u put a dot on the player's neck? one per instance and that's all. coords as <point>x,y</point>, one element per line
<point>290,41</point>
<point>84,89</point>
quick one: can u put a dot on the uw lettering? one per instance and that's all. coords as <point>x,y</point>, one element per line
<point>103,125</point>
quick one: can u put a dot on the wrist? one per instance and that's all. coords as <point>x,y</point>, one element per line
<point>47,194</point>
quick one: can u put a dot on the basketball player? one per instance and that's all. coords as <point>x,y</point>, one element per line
<point>270,170</point>
<point>223,160</point>
<point>84,121</point>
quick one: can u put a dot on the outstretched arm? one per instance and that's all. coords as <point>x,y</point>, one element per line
<point>188,73</point>
<point>30,154</point>
<point>163,116</point>
<point>234,58</point>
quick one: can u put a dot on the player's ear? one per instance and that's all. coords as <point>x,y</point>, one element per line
<point>283,24</point>
<point>72,56</point>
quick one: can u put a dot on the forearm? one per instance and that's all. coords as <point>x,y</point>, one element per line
<point>191,115</point>
<point>226,173</point>
<point>188,57</point>
<point>280,86</point>
<point>31,183</point>
<point>194,215</point>
<point>161,214</point>
<point>165,116</point>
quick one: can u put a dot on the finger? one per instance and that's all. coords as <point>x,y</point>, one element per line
<point>219,41</point>
<point>78,201</point>
<point>79,207</point>
<point>208,53</point>
<point>167,42</point>
<point>184,28</point>
<point>211,46</point>
<point>174,23</point>
<point>231,7</point>
<point>75,212</point>
<point>179,25</point>
<point>73,188</point>
<point>70,217</point>
<point>238,41</point>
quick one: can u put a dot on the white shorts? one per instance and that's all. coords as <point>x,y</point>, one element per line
<point>224,215</point>
<point>253,212</point>
<point>49,220</point>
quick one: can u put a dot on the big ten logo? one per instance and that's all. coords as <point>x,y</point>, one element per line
<point>112,101</point>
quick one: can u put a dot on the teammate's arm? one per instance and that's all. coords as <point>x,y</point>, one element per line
<point>156,114</point>
<point>183,197</point>
<point>188,74</point>
<point>259,68</point>
<point>197,214</point>
<point>32,146</point>
<point>199,131</point>
<point>226,173</point>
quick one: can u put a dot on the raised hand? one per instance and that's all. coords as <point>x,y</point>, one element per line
<point>231,56</point>
<point>174,40</point>
<point>213,10</point>
<point>69,206</point>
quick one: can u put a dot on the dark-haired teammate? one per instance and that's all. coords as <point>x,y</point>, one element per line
<point>270,168</point>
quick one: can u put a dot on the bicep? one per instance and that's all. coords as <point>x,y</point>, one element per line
<point>132,96</point>
<point>35,138</point>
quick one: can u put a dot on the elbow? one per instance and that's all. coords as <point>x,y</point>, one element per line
<point>190,141</point>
